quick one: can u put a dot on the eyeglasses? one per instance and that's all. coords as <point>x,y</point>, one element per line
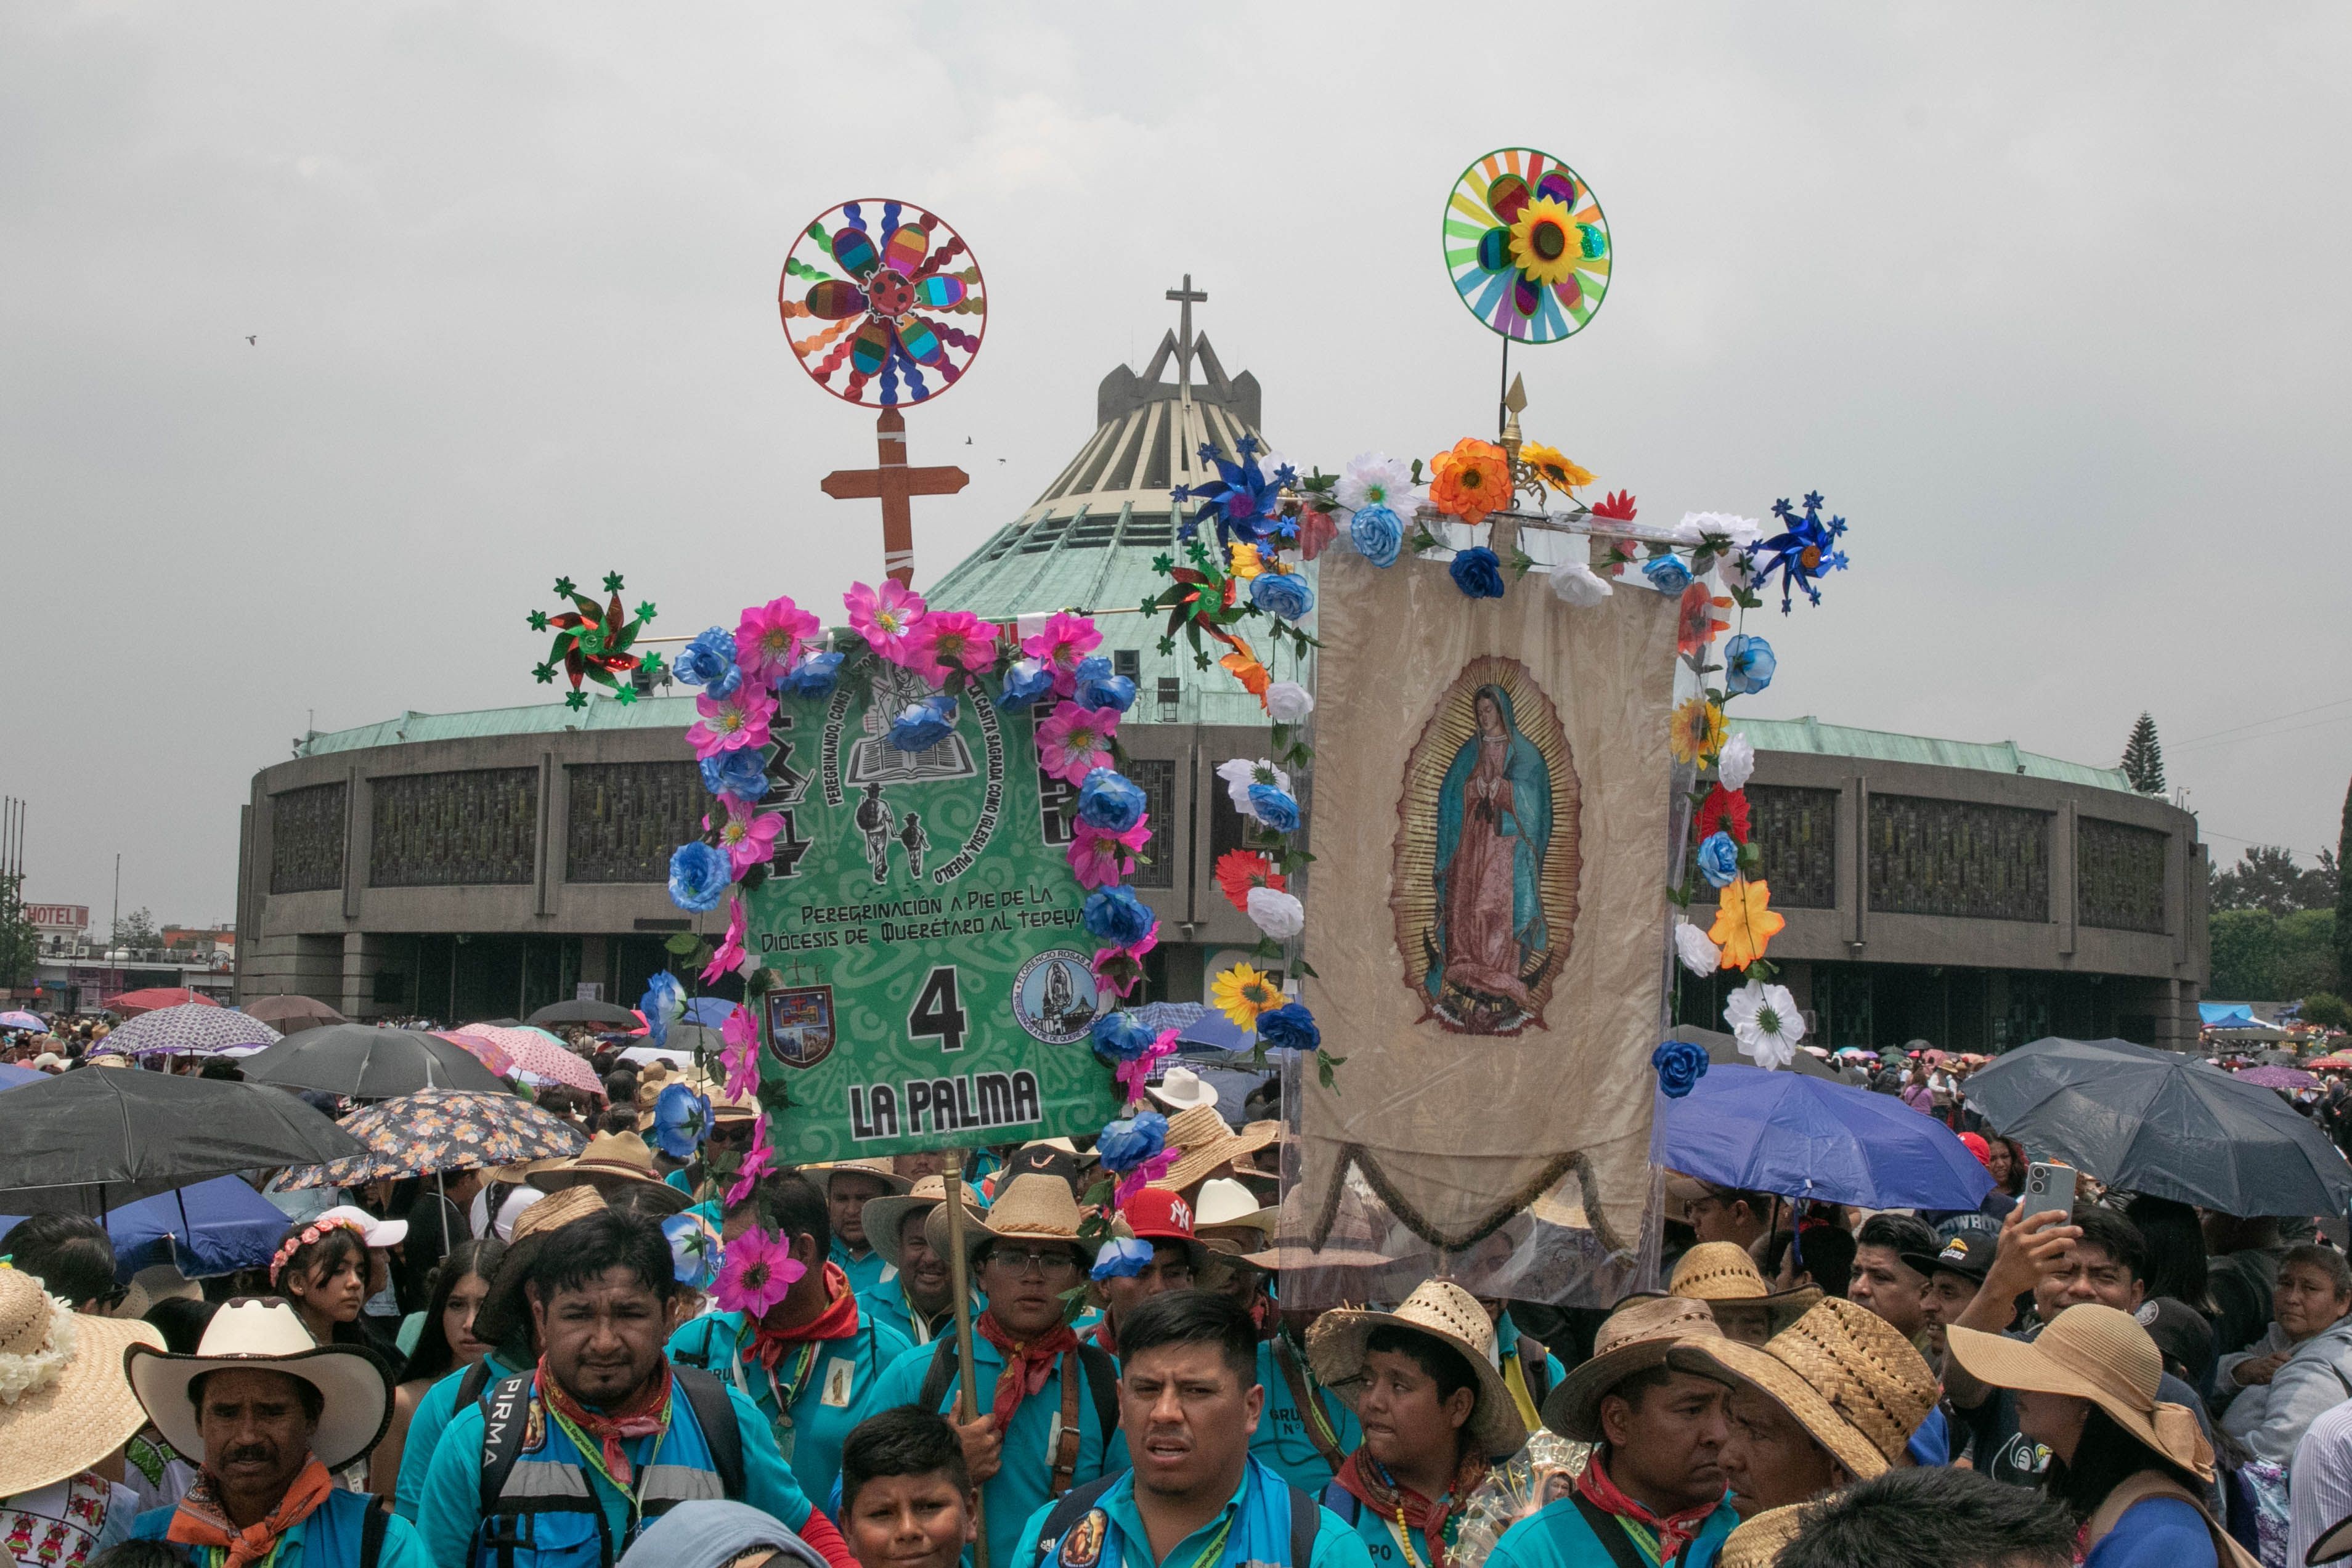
<point>1054,1265</point>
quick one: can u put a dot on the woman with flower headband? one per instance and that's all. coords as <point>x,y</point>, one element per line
<point>321,1270</point>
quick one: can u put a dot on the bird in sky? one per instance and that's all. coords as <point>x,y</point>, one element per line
<point>253,337</point>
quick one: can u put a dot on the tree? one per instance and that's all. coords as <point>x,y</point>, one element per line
<point>2259,956</point>
<point>2326,1009</point>
<point>136,930</point>
<point>2144,759</point>
<point>2266,877</point>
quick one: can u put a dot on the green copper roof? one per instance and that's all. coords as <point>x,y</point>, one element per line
<point>1811,735</point>
<point>542,719</point>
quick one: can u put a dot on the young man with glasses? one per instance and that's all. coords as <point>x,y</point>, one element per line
<point>1047,1407</point>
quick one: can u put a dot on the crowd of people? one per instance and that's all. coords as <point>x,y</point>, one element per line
<point>535,1367</point>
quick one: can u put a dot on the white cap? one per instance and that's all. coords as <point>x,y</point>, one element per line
<point>373,1231</point>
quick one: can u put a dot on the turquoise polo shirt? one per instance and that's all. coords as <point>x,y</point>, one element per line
<point>403,1547</point>
<point>886,1304</point>
<point>837,1394</point>
<point>1380,1537</point>
<point>865,1269</point>
<point>425,1428</point>
<point>1336,1546</point>
<point>1282,1442</point>
<point>1023,1485</point>
<point>1557,1537</point>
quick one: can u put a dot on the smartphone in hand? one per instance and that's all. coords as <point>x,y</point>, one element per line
<point>2048,1184</point>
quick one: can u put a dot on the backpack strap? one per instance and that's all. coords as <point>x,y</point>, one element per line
<point>1305,1519</point>
<point>1313,1414</point>
<point>1063,1458</point>
<point>939,1374</point>
<point>371,1534</point>
<point>470,1383</point>
<point>1073,1506</point>
<point>1344,1504</point>
<point>1612,1535</point>
<point>721,1429</point>
<point>506,1412</point>
<point>1102,1383</point>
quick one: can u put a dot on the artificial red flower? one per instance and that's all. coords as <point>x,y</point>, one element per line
<point>1238,871</point>
<point>1617,506</point>
<point>1697,624</point>
<point>1723,811</point>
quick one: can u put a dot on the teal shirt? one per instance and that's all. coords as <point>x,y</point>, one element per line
<point>837,1393</point>
<point>1379,1535</point>
<point>450,1514</point>
<point>1507,1345</point>
<point>1336,1546</point>
<point>1282,1442</point>
<point>865,1272</point>
<point>1021,1487</point>
<point>1557,1537</point>
<point>403,1547</point>
<point>426,1425</point>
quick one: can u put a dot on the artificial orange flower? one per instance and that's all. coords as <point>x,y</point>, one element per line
<point>1697,733</point>
<point>1696,625</point>
<point>1238,871</point>
<point>1250,672</point>
<point>1744,922</point>
<point>1470,481</point>
<point>1553,468</point>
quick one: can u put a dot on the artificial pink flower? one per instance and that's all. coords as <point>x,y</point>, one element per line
<point>1076,741</point>
<point>1133,1073</point>
<point>1316,529</point>
<point>1066,640</point>
<point>1119,970</point>
<point>886,617</point>
<point>1144,1175</point>
<point>748,835</point>
<point>758,1272</point>
<point>1099,859</point>
<point>758,1161</point>
<point>731,722</point>
<point>730,950</point>
<point>769,639</point>
<point>947,640</point>
<point>740,1053</point>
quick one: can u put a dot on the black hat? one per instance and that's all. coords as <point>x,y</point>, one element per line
<point>1964,1246</point>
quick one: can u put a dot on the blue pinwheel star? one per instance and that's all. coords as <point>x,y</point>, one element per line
<point>1802,553</point>
<point>1245,502</point>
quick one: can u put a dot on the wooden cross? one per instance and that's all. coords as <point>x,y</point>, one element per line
<point>892,483</point>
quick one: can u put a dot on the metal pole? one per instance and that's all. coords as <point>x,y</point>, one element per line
<point>1502,395</point>
<point>966,1400</point>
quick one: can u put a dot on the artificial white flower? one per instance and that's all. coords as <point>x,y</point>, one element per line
<point>1287,702</point>
<point>1737,762</point>
<point>1376,479</point>
<point>1275,913</point>
<point>1699,955</point>
<point>1736,532</point>
<point>1270,462</point>
<point>30,1371</point>
<point>1579,584</point>
<point>1241,772</point>
<point>1765,1021</point>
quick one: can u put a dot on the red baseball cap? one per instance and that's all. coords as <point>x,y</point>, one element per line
<point>1157,1214</point>
<point>1979,1147</point>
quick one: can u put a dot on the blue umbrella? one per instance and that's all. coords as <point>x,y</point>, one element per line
<point>17,1077</point>
<point>1196,1024</point>
<point>210,1227</point>
<point>1813,1137</point>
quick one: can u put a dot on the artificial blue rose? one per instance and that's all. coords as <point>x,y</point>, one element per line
<point>1097,687</point>
<point>1478,573</point>
<point>1123,1258</point>
<point>1126,1143</point>
<point>1114,914</point>
<point>1747,665</point>
<point>1667,574</point>
<point>663,1003</point>
<point>1289,1026</point>
<point>813,676</point>
<point>739,773</point>
<point>1679,1065</point>
<point>923,724</point>
<point>1718,859</point>
<point>681,1121</point>
<point>1027,683</point>
<point>710,661</point>
<point>1378,534</point>
<point>1122,1037</point>
<point>1110,801</point>
<point>699,876</point>
<point>1283,593</point>
<point>1274,808</point>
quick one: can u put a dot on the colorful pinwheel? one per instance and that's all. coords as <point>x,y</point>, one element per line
<point>1246,500</point>
<point>1803,552</point>
<point>881,327</point>
<point>1527,245</point>
<point>593,642</point>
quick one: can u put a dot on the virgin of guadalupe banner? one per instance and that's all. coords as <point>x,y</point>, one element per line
<point>1493,793</point>
<point>937,984</point>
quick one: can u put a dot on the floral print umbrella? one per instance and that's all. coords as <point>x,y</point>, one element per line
<point>444,1130</point>
<point>536,1052</point>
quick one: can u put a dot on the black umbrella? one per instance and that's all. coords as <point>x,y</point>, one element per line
<point>361,1062</point>
<point>2163,1123</point>
<point>584,1013</point>
<point>95,1138</point>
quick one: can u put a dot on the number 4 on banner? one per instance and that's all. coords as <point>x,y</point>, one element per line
<point>937,1014</point>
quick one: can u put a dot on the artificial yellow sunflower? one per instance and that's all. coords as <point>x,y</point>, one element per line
<point>1744,922</point>
<point>1247,562</point>
<point>1553,468</point>
<point>1697,733</point>
<point>1544,241</point>
<point>1243,992</point>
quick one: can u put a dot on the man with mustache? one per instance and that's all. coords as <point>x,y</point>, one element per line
<point>919,1299</point>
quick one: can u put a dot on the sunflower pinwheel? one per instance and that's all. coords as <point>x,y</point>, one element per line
<point>593,642</point>
<point>1527,245</point>
<point>884,321</point>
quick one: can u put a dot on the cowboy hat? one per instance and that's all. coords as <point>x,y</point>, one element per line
<point>613,1160</point>
<point>1447,1314</point>
<point>885,1217</point>
<point>1181,1090</point>
<point>1207,1143</point>
<point>1638,1336</point>
<point>1757,1542</point>
<point>157,1282</point>
<point>1842,1372</point>
<point>2095,1353</point>
<point>1722,1273</point>
<point>1228,1218</point>
<point>1032,1207</point>
<point>63,1404</point>
<point>879,1170</point>
<point>264,1334</point>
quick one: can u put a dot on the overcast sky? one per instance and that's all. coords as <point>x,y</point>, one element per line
<point>2048,300</point>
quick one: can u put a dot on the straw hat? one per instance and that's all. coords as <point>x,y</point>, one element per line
<point>63,1404</point>
<point>1181,1090</point>
<point>1639,1335</point>
<point>1757,1542</point>
<point>880,1170</point>
<point>157,1282</point>
<point>613,1159</point>
<point>1722,1271</point>
<point>1207,1144</point>
<point>557,1210</point>
<point>1843,1373</point>
<point>1034,1208</point>
<point>266,1335</point>
<point>885,1217</point>
<point>2098,1354</point>
<point>1447,1314</point>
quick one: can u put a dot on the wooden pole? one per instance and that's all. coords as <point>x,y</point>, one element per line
<point>967,1400</point>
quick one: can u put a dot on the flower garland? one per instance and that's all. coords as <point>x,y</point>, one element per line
<point>309,1235</point>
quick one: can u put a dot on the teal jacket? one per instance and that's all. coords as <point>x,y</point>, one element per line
<point>1557,1537</point>
<point>330,1538</point>
<point>426,1425</point>
<point>1282,1442</point>
<point>837,1394</point>
<point>1336,1546</point>
<point>866,1271</point>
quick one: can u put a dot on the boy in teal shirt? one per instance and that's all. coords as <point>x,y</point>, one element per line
<point>849,1186</point>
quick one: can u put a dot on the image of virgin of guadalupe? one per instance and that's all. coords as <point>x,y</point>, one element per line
<point>1493,828</point>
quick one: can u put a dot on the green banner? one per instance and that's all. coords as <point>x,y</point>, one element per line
<point>934,986</point>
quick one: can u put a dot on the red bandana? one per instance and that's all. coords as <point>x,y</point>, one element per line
<point>1026,1366</point>
<point>640,1417</point>
<point>839,1321</point>
<point>1365,1478</point>
<point>1673,1531</point>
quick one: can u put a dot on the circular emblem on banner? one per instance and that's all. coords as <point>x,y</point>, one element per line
<point>1054,996</point>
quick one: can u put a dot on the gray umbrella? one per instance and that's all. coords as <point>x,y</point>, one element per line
<point>2163,1123</point>
<point>361,1062</point>
<point>584,1013</point>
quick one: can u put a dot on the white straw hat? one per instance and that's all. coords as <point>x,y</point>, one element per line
<point>1181,1090</point>
<point>264,1335</point>
<point>63,1402</point>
